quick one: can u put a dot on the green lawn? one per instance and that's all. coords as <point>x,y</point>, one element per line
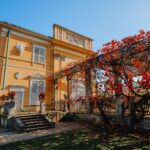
<point>95,138</point>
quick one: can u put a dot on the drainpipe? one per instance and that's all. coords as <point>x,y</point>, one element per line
<point>6,62</point>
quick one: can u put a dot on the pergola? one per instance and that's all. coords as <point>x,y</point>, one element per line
<point>107,62</point>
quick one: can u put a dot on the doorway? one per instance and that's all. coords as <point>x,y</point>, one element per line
<point>19,96</point>
<point>18,100</point>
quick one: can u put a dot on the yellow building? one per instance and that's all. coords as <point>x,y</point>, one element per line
<point>28,58</point>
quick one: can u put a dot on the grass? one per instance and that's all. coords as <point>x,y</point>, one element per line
<point>94,138</point>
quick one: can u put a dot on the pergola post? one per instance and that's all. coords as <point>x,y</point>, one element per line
<point>68,92</point>
<point>94,83</point>
<point>88,88</point>
<point>118,97</point>
<point>56,94</point>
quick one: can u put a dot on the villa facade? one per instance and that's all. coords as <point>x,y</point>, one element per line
<point>28,60</point>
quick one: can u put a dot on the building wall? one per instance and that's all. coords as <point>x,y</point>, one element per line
<point>58,55</point>
<point>3,41</point>
<point>62,59</point>
<point>72,37</point>
<point>25,66</point>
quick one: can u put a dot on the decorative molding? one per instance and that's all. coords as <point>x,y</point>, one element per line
<point>20,47</point>
<point>17,87</point>
<point>60,34</point>
<point>18,75</point>
<point>3,34</point>
<point>74,39</point>
<point>63,57</point>
<point>28,68</point>
<point>69,51</point>
<point>37,76</point>
<point>25,36</point>
<point>57,56</point>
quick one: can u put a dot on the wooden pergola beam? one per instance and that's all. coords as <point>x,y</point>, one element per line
<point>95,60</point>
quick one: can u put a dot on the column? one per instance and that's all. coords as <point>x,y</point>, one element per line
<point>88,88</point>
<point>56,94</point>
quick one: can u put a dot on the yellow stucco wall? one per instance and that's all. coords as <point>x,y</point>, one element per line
<point>60,65</point>
<point>24,65</point>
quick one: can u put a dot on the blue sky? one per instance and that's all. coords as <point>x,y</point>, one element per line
<point>102,20</point>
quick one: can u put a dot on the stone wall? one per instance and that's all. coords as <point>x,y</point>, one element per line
<point>96,118</point>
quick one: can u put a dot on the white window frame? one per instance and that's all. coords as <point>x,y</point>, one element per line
<point>19,89</point>
<point>42,47</point>
<point>31,81</point>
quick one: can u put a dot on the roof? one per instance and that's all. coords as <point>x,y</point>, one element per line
<point>31,31</point>
<point>36,34</point>
<point>22,28</point>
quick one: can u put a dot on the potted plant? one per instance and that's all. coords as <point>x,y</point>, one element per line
<point>42,96</point>
<point>11,95</point>
<point>9,103</point>
<point>3,97</point>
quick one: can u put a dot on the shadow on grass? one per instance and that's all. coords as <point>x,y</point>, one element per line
<point>96,138</point>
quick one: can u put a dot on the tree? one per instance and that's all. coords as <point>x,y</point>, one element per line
<point>122,72</point>
<point>124,61</point>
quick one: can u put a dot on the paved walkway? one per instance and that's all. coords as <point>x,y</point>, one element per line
<point>12,136</point>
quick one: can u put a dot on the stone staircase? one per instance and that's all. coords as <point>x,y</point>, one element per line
<point>27,123</point>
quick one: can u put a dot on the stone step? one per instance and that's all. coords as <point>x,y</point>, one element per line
<point>36,125</point>
<point>30,116</point>
<point>26,113</point>
<point>37,128</point>
<point>33,122</point>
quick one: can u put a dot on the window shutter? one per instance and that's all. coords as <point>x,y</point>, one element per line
<point>36,55</point>
<point>42,56</point>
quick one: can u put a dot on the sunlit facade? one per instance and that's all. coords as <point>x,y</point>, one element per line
<point>29,59</point>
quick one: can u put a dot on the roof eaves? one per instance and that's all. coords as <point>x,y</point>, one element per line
<point>24,29</point>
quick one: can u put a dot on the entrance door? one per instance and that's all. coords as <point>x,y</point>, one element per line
<point>18,100</point>
<point>19,96</point>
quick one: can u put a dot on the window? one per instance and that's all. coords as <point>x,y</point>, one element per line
<point>37,86</point>
<point>135,81</point>
<point>77,88</point>
<point>38,54</point>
